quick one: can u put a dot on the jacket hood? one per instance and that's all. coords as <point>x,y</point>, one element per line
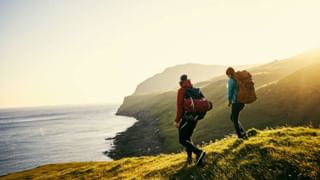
<point>186,84</point>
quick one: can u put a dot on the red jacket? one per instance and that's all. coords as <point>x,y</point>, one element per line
<point>180,98</point>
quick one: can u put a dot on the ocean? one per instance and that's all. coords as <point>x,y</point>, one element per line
<point>30,137</point>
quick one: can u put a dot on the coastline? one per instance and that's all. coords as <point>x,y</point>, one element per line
<point>73,134</point>
<point>129,143</point>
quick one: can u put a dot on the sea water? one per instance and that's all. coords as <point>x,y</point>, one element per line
<point>31,137</point>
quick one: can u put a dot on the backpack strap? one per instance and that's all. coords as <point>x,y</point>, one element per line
<point>192,103</point>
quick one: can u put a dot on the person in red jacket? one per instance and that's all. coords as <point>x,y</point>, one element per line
<point>186,126</point>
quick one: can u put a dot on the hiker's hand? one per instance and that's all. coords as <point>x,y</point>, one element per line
<point>176,124</point>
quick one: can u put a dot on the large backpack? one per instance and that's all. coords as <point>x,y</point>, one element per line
<point>246,93</point>
<point>195,104</point>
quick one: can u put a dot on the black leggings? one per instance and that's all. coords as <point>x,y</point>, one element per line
<point>235,111</point>
<point>185,132</point>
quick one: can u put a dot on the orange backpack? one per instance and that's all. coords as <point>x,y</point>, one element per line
<point>246,93</point>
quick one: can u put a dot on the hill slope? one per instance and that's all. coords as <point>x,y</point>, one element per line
<point>276,106</point>
<point>285,153</point>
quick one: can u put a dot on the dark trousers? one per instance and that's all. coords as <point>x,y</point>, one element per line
<point>185,132</point>
<point>235,112</point>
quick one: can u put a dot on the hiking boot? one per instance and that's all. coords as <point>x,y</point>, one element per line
<point>239,140</point>
<point>200,157</point>
<point>244,136</point>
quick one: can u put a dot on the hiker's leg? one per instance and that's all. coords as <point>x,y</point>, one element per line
<point>192,126</point>
<point>235,110</point>
<point>198,152</point>
<point>190,129</point>
<point>243,132</point>
<point>240,130</point>
<point>189,153</point>
<point>184,137</point>
<point>182,134</point>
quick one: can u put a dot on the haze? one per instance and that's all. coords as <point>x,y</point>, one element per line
<point>82,52</point>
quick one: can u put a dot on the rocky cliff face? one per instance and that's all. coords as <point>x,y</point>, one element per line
<point>143,138</point>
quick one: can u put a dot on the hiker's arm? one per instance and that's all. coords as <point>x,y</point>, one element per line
<point>179,105</point>
<point>230,90</point>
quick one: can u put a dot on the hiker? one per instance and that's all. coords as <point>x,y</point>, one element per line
<point>236,106</point>
<point>185,125</point>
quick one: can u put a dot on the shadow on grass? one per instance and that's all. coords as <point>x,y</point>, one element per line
<point>209,167</point>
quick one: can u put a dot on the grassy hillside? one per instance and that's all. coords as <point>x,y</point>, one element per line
<point>295,96</point>
<point>285,153</point>
<point>287,90</point>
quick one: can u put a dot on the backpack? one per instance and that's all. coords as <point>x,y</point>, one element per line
<point>195,104</point>
<point>246,93</point>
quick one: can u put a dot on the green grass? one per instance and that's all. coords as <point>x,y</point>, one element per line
<point>284,153</point>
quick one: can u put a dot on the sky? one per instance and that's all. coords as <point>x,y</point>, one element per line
<point>57,52</point>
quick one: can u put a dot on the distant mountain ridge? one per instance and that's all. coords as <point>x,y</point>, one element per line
<point>169,78</point>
